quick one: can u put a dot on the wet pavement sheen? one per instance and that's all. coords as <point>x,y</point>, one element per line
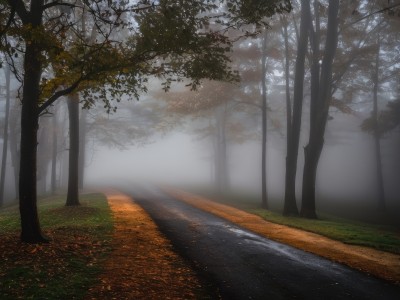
<point>244,265</point>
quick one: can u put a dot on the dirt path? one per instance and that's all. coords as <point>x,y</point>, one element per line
<point>142,264</point>
<point>378,263</point>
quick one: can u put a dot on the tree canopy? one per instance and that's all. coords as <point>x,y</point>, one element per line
<point>130,42</point>
<point>133,40</point>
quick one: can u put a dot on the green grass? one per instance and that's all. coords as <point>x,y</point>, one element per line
<point>64,268</point>
<point>382,237</point>
<point>52,211</point>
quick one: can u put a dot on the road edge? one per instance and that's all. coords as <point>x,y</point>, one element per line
<point>377,263</point>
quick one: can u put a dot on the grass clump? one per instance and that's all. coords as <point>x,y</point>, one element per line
<point>67,266</point>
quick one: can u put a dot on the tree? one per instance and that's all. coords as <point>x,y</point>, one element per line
<point>327,80</point>
<point>321,93</point>
<point>221,155</point>
<point>170,41</point>
<point>290,207</point>
<point>15,132</point>
<point>377,133</point>
<point>264,195</point>
<point>293,131</point>
<point>82,143</point>
<point>54,154</point>
<point>215,103</point>
<point>386,120</point>
<point>5,135</point>
<point>44,154</point>
<point>76,151</point>
<point>73,169</point>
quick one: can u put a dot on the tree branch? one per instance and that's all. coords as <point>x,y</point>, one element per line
<point>373,13</point>
<point>57,3</point>
<point>19,7</point>
<point>59,94</point>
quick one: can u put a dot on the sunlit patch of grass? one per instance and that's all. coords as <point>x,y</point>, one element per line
<point>64,268</point>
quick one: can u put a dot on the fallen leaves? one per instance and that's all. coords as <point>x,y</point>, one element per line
<point>139,263</point>
<point>29,269</point>
<point>143,264</point>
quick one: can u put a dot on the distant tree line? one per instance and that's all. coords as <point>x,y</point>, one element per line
<point>330,57</point>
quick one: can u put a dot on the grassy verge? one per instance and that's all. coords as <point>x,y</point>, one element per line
<point>382,237</point>
<point>64,268</point>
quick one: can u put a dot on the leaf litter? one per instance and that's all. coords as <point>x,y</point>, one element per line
<point>143,264</point>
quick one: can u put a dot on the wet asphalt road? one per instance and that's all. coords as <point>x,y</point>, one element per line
<point>243,265</point>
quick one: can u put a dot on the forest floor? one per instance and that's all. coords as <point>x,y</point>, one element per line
<point>143,264</point>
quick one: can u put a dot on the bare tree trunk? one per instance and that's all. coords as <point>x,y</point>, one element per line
<point>43,155</point>
<point>54,152</point>
<point>264,194</point>
<point>287,82</point>
<point>73,172</point>
<point>221,159</point>
<point>320,102</point>
<point>290,206</point>
<point>379,174</point>
<point>5,136</point>
<point>63,154</point>
<point>377,136</point>
<point>30,226</point>
<point>82,146</point>
<point>14,145</point>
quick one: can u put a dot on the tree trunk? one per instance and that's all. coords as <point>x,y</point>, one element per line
<point>379,174</point>
<point>221,164</point>
<point>290,206</point>
<point>215,163</point>
<point>320,102</point>
<point>264,195</point>
<point>14,143</point>
<point>377,136</point>
<point>287,82</point>
<point>43,155</point>
<point>54,153</point>
<point>5,136</point>
<point>30,227</point>
<point>312,153</point>
<point>73,172</point>
<point>82,147</point>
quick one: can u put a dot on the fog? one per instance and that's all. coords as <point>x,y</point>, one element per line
<point>211,139</point>
<point>346,174</point>
<point>175,159</point>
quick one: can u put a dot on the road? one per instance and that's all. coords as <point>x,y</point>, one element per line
<point>244,265</point>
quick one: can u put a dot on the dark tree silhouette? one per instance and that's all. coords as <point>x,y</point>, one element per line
<point>321,93</point>
<point>290,206</point>
<point>174,33</point>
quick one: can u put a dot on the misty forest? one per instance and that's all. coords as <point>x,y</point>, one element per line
<point>239,144</point>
